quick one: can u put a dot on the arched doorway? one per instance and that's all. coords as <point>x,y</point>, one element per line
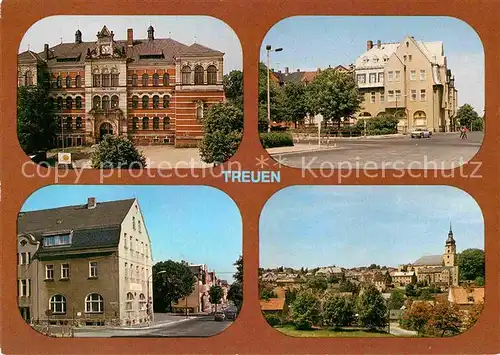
<point>105,129</point>
<point>419,119</point>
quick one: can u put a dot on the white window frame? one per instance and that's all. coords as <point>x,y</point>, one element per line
<point>390,76</point>
<point>47,271</point>
<point>62,302</point>
<point>397,75</point>
<point>397,95</point>
<point>62,271</point>
<point>91,267</point>
<point>129,303</point>
<point>373,98</point>
<point>374,76</point>
<point>380,77</point>
<point>413,92</point>
<point>423,75</point>
<point>424,96</point>
<point>413,75</point>
<point>89,303</point>
<point>361,78</point>
<point>390,96</point>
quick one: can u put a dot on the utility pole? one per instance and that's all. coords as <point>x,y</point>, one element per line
<point>268,50</point>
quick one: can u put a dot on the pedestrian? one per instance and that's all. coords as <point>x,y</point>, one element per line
<point>461,132</point>
<point>465,132</point>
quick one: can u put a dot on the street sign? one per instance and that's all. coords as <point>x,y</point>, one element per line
<point>64,158</point>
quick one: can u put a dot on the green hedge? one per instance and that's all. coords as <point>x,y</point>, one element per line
<point>273,319</point>
<point>275,139</point>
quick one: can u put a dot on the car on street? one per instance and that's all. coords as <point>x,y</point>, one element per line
<point>230,314</point>
<point>420,132</point>
<point>219,316</point>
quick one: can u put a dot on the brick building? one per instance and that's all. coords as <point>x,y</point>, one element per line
<point>88,263</point>
<point>153,90</point>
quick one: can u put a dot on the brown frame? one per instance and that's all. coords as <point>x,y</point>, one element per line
<point>249,334</point>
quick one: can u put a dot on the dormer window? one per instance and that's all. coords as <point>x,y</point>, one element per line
<point>57,240</point>
<point>365,60</point>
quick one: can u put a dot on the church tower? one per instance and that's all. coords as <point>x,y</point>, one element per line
<point>450,250</point>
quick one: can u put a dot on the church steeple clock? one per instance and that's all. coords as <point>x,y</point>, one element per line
<point>450,250</point>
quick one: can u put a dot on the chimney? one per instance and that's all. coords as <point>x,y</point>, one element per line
<point>379,43</point>
<point>91,203</point>
<point>369,45</point>
<point>130,37</point>
<point>286,70</point>
<point>46,50</point>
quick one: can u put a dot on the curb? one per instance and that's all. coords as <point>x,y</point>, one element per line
<point>158,325</point>
<point>303,151</point>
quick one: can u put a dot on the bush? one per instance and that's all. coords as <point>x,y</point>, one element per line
<point>305,311</point>
<point>117,152</point>
<point>273,319</point>
<point>275,139</point>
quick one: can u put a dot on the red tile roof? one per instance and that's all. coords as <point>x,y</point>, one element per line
<point>272,304</point>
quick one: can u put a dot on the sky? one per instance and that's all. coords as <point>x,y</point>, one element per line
<point>311,42</point>
<point>208,31</point>
<point>349,226</point>
<point>182,221</point>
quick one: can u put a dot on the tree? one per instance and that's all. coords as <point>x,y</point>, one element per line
<point>216,293</point>
<point>372,311</point>
<point>36,121</point>
<point>334,95</point>
<point>467,115</point>
<point>294,103</point>
<point>117,153</point>
<point>305,311</point>
<point>177,281</point>
<point>238,276</point>
<point>418,315</point>
<point>471,264</point>
<point>276,99</point>
<point>235,293</point>
<point>445,319</point>
<point>317,284</point>
<point>425,294</point>
<point>332,279</point>
<point>397,299</point>
<point>410,291</point>
<point>473,315</point>
<point>338,311</point>
<point>233,87</point>
<point>347,286</point>
<point>479,281</point>
<point>223,127</point>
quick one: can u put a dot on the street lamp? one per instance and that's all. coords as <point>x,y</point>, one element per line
<point>149,301</point>
<point>268,50</point>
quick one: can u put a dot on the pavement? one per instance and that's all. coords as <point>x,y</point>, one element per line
<point>396,330</point>
<point>163,157</point>
<point>441,151</point>
<point>164,325</point>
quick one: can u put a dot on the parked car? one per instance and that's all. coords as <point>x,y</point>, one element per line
<point>420,133</point>
<point>230,314</point>
<point>219,316</point>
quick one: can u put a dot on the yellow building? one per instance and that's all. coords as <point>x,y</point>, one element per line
<point>410,80</point>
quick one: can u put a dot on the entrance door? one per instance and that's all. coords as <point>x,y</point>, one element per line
<point>105,129</point>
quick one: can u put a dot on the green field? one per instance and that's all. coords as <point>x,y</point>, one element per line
<point>329,333</point>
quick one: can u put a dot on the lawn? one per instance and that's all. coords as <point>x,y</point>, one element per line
<point>329,333</point>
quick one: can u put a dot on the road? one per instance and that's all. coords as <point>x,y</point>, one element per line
<point>442,151</point>
<point>204,326</point>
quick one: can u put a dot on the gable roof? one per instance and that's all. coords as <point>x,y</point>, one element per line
<point>429,260</point>
<point>29,56</point>
<point>65,219</point>
<point>164,50</point>
<point>197,49</point>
